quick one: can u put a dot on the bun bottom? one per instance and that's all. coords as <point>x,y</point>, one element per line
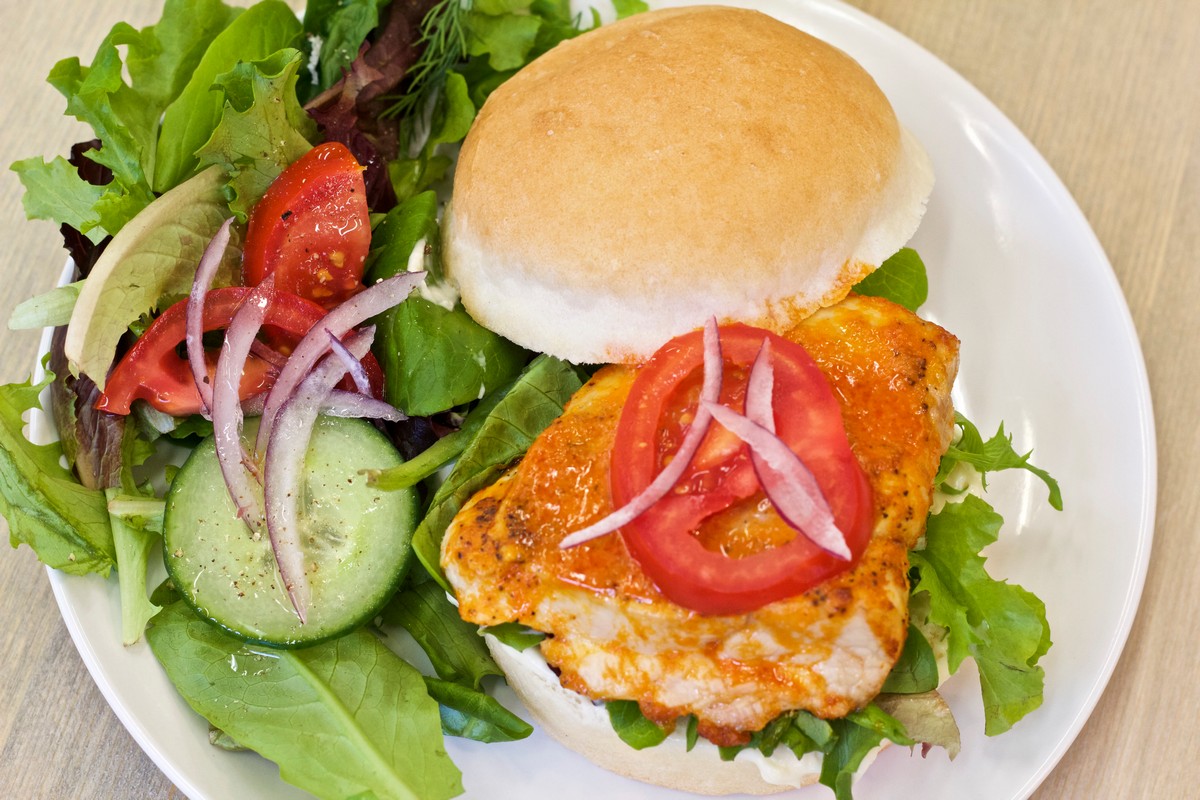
<point>583,726</point>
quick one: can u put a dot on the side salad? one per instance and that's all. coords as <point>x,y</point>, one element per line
<point>259,309</point>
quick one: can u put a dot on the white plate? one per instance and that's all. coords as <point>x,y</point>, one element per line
<point>1047,346</point>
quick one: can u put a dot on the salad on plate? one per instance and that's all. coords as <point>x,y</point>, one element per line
<point>262,377</point>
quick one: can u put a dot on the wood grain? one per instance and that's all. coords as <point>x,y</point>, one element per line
<point>1105,89</point>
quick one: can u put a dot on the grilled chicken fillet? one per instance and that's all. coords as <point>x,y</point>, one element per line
<point>612,635</point>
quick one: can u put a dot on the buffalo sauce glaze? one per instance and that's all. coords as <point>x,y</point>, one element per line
<point>614,636</point>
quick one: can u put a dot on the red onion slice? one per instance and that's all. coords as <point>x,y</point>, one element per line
<point>352,404</point>
<point>760,390</point>
<point>286,452</point>
<point>354,367</point>
<point>267,353</point>
<point>362,306</point>
<point>206,270</point>
<point>710,391</point>
<point>789,484</point>
<point>238,467</point>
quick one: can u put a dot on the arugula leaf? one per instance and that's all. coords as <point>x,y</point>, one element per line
<point>993,455</point>
<point>189,121</point>
<point>46,508</point>
<point>471,714</point>
<point>262,129</point>
<point>632,726</point>
<point>1001,625</point>
<point>901,279</point>
<point>341,718</point>
<point>534,401</point>
<point>454,647</point>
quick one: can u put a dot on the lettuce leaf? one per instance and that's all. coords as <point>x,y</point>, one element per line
<point>189,121</point>
<point>1001,625</point>
<point>47,508</point>
<point>262,128</point>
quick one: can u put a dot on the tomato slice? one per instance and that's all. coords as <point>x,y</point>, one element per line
<point>664,539</point>
<point>155,371</point>
<point>312,228</point>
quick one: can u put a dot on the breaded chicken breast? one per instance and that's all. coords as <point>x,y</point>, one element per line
<point>612,634</point>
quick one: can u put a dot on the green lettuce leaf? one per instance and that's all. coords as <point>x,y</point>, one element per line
<point>55,192</point>
<point>1001,625</point>
<point>341,719</point>
<point>189,121</point>
<point>262,129</point>
<point>47,508</point>
<point>47,310</point>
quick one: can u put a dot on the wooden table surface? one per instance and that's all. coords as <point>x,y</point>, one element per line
<point>1107,90</point>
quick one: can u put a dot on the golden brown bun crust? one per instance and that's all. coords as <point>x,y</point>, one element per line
<point>676,165</point>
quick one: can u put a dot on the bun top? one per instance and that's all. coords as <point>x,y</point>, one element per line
<point>673,166</point>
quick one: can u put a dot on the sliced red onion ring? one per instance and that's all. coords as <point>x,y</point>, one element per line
<point>238,467</point>
<point>206,270</point>
<point>663,482</point>
<point>287,448</point>
<point>789,484</point>
<point>364,305</point>
<point>354,367</point>
<point>267,353</point>
<point>760,390</point>
<point>352,404</point>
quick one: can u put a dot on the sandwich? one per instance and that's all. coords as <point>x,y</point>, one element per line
<point>679,167</point>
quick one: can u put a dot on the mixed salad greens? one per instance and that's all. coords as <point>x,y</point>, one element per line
<point>195,118</point>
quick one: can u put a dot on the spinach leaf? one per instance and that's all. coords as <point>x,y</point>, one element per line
<point>515,635</point>
<point>901,279</point>
<point>858,733</point>
<point>534,401</point>
<point>632,725</point>
<point>454,647</point>
<point>341,719</point>
<point>916,670</point>
<point>471,714</point>
<point>434,356</point>
<point>46,507</point>
<point>189,121</point>
<point>342,26</point>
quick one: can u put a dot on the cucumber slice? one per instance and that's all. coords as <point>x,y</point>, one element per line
<point>357,540</point>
